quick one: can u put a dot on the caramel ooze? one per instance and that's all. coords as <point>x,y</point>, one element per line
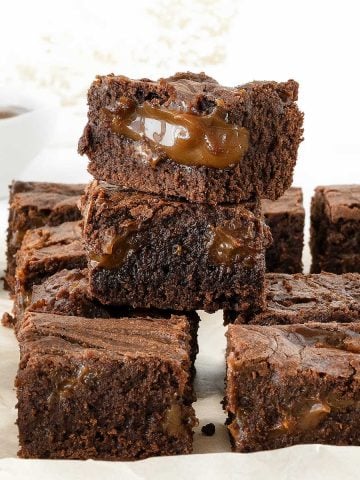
<point>227,246</point>
<point>186,138</point>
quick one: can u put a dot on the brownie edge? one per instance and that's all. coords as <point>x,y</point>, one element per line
<point>104,388</point>
<point>300,298</point>
<point>148,251</point>
<point>293,384</point>
<point>286,219</point>
<point>33,205</point>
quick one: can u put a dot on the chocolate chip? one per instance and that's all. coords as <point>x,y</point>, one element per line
<point>208,429</point>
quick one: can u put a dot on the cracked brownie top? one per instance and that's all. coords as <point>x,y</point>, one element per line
<point>331,349</point>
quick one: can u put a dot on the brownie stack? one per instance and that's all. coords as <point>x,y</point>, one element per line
<point>173,219</point>
<point>171,224</point>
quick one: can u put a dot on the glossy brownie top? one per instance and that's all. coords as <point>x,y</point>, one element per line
<point>128,337</point>
<point>331,348</point>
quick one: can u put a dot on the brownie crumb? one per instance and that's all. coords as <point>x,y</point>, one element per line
<point>208,429</point>
<point>7,320</point>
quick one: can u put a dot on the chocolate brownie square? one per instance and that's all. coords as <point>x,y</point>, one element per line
<point>33,205</point>
<point>47,250</point>
<point>335,229</point>
<point>299,298</point>
<point>187,136</point>
<point>293,384</point>
<point>104,388</point>
<point>67,293</point>
<point>285,217</point>
<point>147,251</point>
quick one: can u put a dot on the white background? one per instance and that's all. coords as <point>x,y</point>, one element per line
<point>60,46</point>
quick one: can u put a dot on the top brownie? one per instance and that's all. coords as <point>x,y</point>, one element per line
<point>33,205</point>
<point>190,137</point>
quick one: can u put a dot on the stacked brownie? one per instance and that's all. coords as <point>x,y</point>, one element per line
<point>172,223</point>
<point>173,219</point>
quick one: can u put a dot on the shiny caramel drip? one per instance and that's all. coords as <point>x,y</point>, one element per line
<point>308,414</point>
<point>173,422</point>
<point>67,386</point>
<point>304,417</point>
<point>230,245</point>
<point>186,138</point>
<point>117,248</point>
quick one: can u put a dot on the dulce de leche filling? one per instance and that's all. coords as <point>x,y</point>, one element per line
<point>229,245</point>
<point>117,247</point>
<point>186,138</point>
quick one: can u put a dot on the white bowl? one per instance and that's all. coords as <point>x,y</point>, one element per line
<point>23,136</point>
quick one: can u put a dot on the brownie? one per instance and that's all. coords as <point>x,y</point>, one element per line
<point>335,229</point>
<point>285,217</point>
<point>147,251</point>
<point>33,205</point>
<point>67,293</point>
<point>293,384</point>
<point>46,250</point>
<point>299,298</point>
<point>104,388</point>
<point>187,136</point>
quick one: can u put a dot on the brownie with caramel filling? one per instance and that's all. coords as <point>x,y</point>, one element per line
<point>285,217</point>
<point>299,298</point>
<point>33,205</point>
<point>187,136</point>
<point>47,250</point>
<point>335,229</point>
<point>104,388</point>
<point>147,251</point>
<point>293,384</point>
<point>67,293</point>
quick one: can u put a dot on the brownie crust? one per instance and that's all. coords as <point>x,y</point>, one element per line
<point>293,384</point>
<point>335,229</point>
<point>286,218</point>
<point>104,388</point>
<point>300,298</point>
<point>150,252</point>
<point>33,205</point>
<point>267,110</point>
